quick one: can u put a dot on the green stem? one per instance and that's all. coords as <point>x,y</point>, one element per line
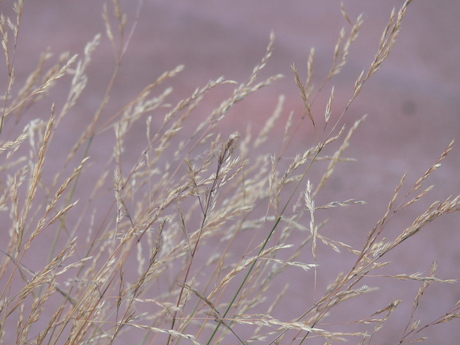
<point>265,243</point>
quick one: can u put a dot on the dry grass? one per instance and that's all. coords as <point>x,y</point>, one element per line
<point>151,251</point>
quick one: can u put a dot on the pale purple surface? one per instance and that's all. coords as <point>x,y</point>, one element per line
<point>413,104</point>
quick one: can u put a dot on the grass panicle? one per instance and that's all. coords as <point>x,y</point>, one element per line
<point>196,237</point>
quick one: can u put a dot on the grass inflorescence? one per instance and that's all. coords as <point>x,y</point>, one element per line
<point>192,239</point>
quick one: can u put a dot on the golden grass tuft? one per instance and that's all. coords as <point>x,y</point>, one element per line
<point>185,244</point>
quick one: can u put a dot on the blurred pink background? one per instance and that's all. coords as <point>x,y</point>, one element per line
<point>413,107</point>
